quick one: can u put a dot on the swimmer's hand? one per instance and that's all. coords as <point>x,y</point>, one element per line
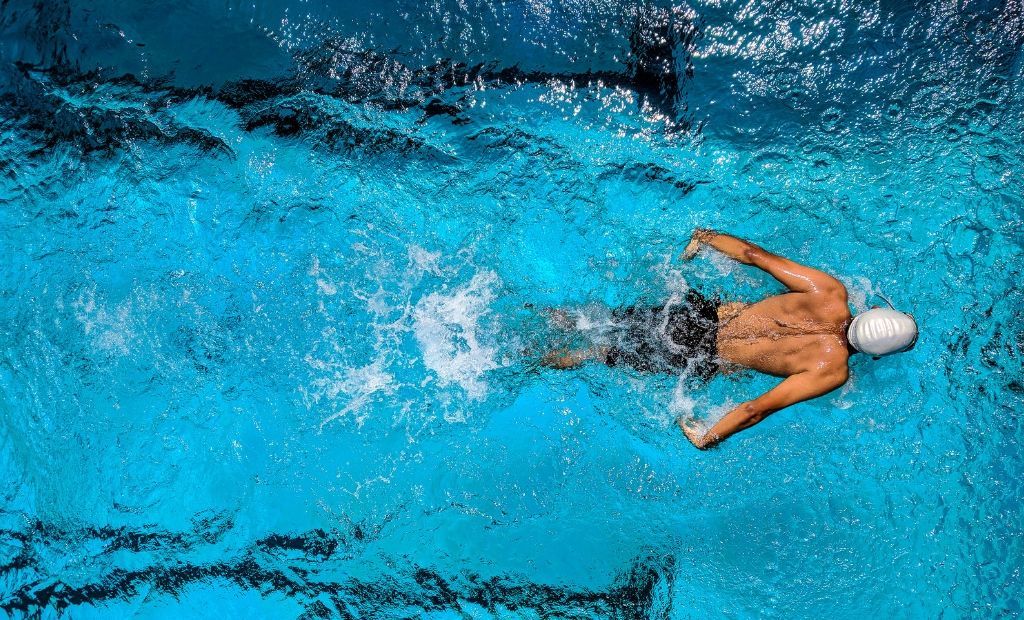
<point>697,436</point>
<point>699,236</point>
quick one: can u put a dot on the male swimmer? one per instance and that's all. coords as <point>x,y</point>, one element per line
<point>806,335</point>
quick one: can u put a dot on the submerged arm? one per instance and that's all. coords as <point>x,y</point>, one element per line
<point>793,275</point>
<point>796,388</point>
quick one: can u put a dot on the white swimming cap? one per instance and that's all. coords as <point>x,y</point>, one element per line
<point>881,331</point>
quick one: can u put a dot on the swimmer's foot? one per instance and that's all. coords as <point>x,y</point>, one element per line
<point>564,359</point>
<point>561,319</point>
<point>561,359</point>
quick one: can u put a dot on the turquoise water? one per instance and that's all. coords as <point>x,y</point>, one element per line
<point>271,298</point>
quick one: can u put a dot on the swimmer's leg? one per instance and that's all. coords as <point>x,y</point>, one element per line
<point>560,318</point>
<point>565,359</point>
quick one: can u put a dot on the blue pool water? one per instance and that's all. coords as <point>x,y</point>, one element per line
<point>270,292</point>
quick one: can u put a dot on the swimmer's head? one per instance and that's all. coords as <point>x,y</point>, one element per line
<point>882,331</point>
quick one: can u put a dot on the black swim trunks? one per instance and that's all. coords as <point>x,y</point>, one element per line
<point>669,338</point>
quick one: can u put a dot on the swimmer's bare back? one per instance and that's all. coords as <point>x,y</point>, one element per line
<point>799,335</point>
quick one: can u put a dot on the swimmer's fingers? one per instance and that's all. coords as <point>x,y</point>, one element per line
<point>687,425</point>
<point>698,237</point>
<point>699,436</point>
<point>691,248</point>
<point>691,429</point>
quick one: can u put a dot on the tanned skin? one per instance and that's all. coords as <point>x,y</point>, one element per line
<point>799,335</point>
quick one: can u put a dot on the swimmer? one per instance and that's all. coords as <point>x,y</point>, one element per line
<point>805,335</point>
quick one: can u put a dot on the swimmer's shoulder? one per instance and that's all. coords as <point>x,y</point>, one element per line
<point>831,289</point>
<point>829,301</point>
<point>830,360</point>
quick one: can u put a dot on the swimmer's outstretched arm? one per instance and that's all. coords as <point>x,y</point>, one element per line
<point>796,388</point>
<point>794,276</point>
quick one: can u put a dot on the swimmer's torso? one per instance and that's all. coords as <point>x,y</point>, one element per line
<point>785,334</point>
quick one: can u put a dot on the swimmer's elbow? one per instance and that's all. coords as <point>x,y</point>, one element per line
<point>835,288</point>
<point>833,377</point>
<point>842,375</point>
<point>753,255</point>
<point>753,413</point>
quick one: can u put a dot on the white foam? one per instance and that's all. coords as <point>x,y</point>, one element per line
<point>697,411</point>
<point>683,408</point>
<point>859,289</point>
<point>110,330</point>
<point>841,399</point>
<point>592,320</point>
<point>447,328</point>
<point>357,387</point>
<point>673,277</point>
<point>324,284</point>
<point>682,404</point>
<point>423,261</point>
<point>723,264</point>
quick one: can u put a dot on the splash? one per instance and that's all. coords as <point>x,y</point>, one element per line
<point>859,290</point>
<point>359,387</point>
<point>447,329</point>
<point>111,330</point>
<point>682,404</point>
<point>324,284</point>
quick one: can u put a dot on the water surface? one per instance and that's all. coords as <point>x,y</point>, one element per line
<point>271,287</point>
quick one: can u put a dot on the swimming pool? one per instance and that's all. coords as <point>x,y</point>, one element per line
<point>270,299</point>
